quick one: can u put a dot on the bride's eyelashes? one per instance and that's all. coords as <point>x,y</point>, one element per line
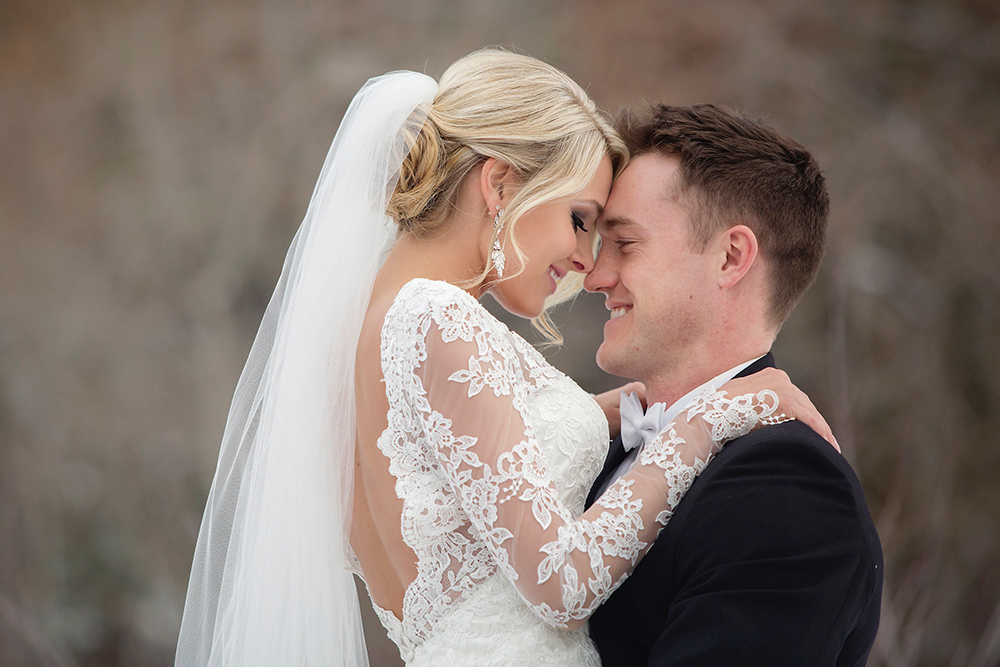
<point>578,222</point>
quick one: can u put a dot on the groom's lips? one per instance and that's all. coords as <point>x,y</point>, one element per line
<point>618,310</point>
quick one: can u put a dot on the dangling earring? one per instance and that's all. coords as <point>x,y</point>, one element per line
<point>497,254</point>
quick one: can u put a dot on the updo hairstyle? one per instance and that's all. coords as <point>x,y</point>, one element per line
<point>523,112</point>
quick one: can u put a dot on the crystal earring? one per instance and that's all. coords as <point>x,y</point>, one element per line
<point>497,254</point>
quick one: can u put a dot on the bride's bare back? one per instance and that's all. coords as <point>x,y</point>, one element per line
<point>388,565</point>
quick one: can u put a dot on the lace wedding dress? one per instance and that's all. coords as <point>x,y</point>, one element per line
<point>493,452</point>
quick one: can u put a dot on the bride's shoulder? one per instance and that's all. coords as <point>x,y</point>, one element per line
<point>421,298</point>
<point>422,305</point>
<point>392,308</point>
<point>434,290</point>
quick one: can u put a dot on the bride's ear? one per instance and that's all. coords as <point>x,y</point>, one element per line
<point>495,181</point>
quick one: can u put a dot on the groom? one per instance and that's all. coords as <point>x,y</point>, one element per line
<point>709,238</point>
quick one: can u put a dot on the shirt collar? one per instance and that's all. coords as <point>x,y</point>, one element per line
<point>670,413</point>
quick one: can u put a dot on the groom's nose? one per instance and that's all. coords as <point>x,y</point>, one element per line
<point>602,277</point>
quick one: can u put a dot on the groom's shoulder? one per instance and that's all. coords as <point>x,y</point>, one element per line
<point>784,455</point>
<point>781,447</point>
<point>773,482</point>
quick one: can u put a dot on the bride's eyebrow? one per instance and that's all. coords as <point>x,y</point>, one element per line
<point>594,203</point>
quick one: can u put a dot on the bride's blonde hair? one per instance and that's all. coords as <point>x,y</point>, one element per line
<point>523,112</point>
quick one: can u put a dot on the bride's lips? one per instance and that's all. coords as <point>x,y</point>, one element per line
<point>555,275</point>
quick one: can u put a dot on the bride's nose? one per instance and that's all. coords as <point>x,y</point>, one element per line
<point>582,257</point>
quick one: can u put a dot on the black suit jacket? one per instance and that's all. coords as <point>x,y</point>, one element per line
<point>770,559</point>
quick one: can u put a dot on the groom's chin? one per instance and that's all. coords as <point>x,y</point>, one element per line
<point>608,361</point>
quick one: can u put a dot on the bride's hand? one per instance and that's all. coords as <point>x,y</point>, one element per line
<point>610,402</point>
<point>792,401</point>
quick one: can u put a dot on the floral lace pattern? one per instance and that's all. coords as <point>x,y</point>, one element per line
<point>493,452</point>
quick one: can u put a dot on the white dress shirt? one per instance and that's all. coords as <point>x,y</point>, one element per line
<point>668,416</point>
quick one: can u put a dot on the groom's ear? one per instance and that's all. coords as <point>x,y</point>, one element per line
<point>737,248</point>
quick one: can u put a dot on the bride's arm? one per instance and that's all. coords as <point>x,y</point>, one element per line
<point>471,400</point>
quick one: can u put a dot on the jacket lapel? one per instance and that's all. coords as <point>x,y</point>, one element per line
<point>767,361</point>
<point>616,454</point>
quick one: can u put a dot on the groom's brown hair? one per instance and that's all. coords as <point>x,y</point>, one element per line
<point>737,170</point>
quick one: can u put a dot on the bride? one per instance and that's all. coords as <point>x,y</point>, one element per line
<point>387,424</point>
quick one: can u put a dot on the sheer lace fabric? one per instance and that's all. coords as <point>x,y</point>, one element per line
<point>493,452</point>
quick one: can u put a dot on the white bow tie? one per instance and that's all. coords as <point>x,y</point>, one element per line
<point>638,428</point>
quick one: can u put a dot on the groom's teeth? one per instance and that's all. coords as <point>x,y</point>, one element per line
<point>555,276</point>
<point>617,312</point>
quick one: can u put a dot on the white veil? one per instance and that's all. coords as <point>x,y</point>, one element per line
<point>270,584</point>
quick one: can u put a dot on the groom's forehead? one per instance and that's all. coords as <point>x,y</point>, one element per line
<point>650,177</point>
<point>639,209</point>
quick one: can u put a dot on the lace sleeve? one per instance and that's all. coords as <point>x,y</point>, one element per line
<point>470,391</point>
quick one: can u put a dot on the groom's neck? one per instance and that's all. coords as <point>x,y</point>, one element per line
<point>686,373</point>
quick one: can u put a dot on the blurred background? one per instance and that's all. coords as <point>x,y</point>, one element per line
<point>157,157</point>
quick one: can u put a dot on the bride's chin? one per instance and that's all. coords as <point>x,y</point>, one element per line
<point>522,305</point>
